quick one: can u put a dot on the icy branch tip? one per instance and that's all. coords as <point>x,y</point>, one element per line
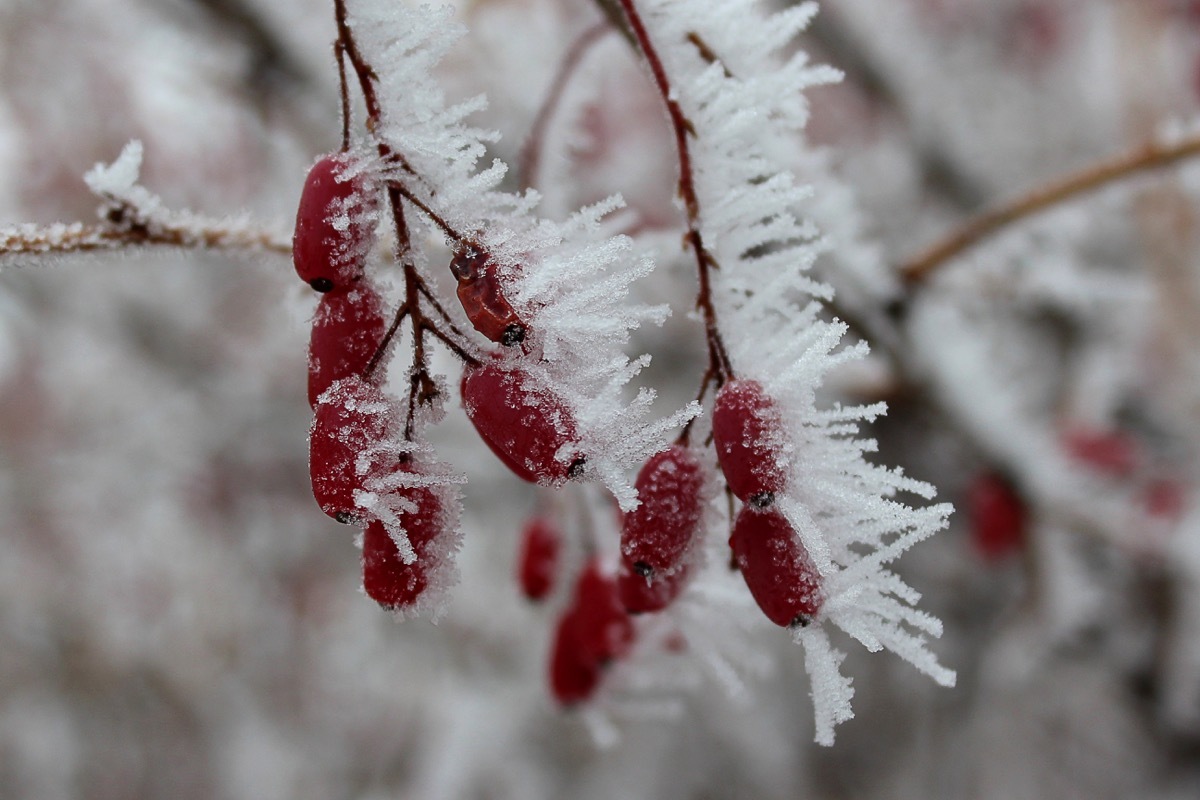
<point>118,178</point>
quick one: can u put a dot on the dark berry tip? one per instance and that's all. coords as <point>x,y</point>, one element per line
<point>801,621</point>
<point>513,334</point>
<point>577,467</point>
<point>345,517</point>
<point>322,285</point>
<point>762,500</point>
<point>643,569</point>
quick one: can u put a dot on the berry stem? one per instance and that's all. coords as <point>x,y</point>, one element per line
<point>720,368</point>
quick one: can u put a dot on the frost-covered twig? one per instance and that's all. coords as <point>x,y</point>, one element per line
<point>131,217</point>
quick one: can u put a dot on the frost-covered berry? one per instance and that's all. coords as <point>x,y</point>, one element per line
<point>346,331</point>
<point>656,535</point>
<point>749,437</point>
<point>776,567</point>
<point>386,578</point>
<point>352,419</point>
<point>998,516</point>
<point>335,224</point>
<point>482,297</point>
<point>641,594</point>
<point>537,563</point>
<point>593,632</point>
<point>527,426</point>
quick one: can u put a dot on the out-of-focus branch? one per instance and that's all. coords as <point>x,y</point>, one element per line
<point>1149,156</point>
<point>939,173</point>
<point>64,239</point>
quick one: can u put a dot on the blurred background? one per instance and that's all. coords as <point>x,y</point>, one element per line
<point>179,620</point>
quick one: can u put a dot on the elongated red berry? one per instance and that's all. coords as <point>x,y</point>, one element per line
<point>482,296</point>
<point>346,331</point>
<point>750,441</point>
<point>528,427</point>
<point>352,420</point>
<point>386,578</point>
<point>641,594</point>
<point>537,563</point>
<point>335,224</point>
<point>997,515</point>
<point>656,535</point>
<point>776,567</point>
<point>574,674</point>
<point>1111,453</point>
<point>592,633</point>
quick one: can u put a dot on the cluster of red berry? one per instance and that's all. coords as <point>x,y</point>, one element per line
<point>359,443</point>
<point>659,538</point>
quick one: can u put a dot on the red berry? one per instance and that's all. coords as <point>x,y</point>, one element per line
<point>640,594</point>
<point>574,675</point>
<point>607,631</point>
<point>482,297</point>
<point>386,578</point>
<point>538,561</point>
<point>592,633</point>
<point>525,425</point>
<point>776,566</point>
<point>656,535</point>
<point>1111,453</point>
<point>748,435</point>
<point>997,516</point>
<point>334,224</point>
<point>346,331</point>
<point>351,420</point>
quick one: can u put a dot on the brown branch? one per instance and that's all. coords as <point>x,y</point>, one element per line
<point>720,366</point>
<point>1149,156</point>
<point>198,234</point>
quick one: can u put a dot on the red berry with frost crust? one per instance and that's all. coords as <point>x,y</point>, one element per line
<point>776,567</point>
<point>482,297</point>
<point>656,535</point>
<point>346,332</point>
<point>749,437</point>
<point>386,578</point>
<point>524,424</point>
<point>335,224</point>
<point>352,419</point>
<point>538,561</point>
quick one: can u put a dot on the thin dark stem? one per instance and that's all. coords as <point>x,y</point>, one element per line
<point>530,158</point>
<point>339,51</point>
<point>719,361</point>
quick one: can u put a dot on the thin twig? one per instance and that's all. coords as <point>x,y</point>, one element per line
<point>721,368</point>
<point>1149,156</point>
<point>197,234</point>
<point>531,152</point>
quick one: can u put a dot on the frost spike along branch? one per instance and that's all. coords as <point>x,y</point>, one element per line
<point>135,217</point>
<point>735,103</point>
<point>1149,156</point>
